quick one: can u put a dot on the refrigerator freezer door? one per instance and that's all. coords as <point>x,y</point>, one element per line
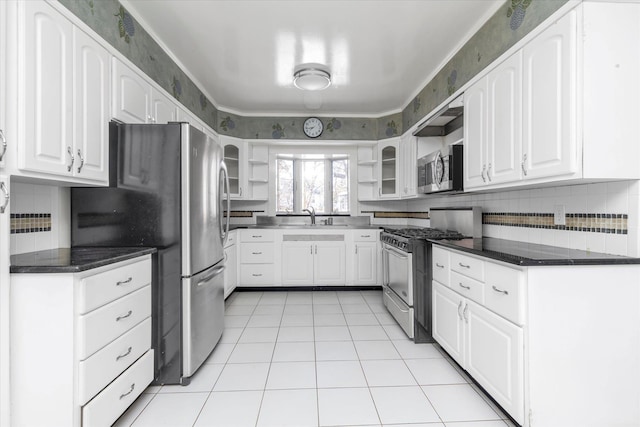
<point>201,213</point>
<point>202,316</point>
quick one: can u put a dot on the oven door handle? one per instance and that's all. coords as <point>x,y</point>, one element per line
<point>395,252</point>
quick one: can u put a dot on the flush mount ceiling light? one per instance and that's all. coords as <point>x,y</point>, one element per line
<point>311,77</point>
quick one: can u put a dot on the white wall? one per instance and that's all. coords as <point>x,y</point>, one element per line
<point>614,197</point>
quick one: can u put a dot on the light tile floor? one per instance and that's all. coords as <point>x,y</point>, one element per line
<point>320,358</point>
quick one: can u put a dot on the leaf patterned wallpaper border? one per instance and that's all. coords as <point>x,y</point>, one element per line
<point>507,26</point>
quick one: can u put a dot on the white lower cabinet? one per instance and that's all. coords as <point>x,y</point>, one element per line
<point>366,263</point>
<point>530,338</point>
<point>231,264</point>
<point>93,328</point>
<point>257,252</point>
<point>313,263</point>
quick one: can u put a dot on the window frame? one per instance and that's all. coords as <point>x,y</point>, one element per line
<point>328,184</point>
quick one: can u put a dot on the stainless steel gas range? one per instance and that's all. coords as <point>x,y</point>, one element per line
<point>406,254</point>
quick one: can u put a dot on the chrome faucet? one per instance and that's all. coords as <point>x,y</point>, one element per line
<point>312,212</point>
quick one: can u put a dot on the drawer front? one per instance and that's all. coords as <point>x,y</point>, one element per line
<point>504,293</point>
<point>102,288</point>
<point>257,235</point>
<point>256,253</point>
<point>107,406</point>
<point>440,265</point>
<point>256,274</point>
<point>366,235</point>
<point>468,266</point>
<point>101,326</point>
<point>101,368</point>
<point>467,287</point>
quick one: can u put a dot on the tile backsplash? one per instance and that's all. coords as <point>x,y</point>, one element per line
<point>39,217</point>
<point>600,217</point>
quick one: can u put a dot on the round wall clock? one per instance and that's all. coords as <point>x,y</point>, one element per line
<point>313,127</point>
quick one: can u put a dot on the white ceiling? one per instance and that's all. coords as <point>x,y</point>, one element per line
<point>380,53</point>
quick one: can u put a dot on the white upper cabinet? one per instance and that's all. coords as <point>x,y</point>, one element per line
<point>550,101</point>
<point>91,108</point>
<point>235,157</point>
<point>504,121</point>
<point>64,88</point>
<point>493,126</point>
<point>388,157</point>
<point>163,110</point>
<point>475,135</point>
<point>134,100</point>
<point>408,165</point>
<point>3,85</point>
<point>559,106</point>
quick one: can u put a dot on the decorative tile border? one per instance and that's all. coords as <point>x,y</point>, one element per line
<point>385,214</point>
<point>30,223</point>
<point>244,214</point>
<point>586,222</point>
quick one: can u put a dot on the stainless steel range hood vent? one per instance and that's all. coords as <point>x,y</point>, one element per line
<point>444,121</point>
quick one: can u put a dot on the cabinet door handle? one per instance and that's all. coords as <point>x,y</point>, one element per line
<point>4,144</point>
<point>133,386</point>
<point>240,192</point>
<point>500,290</point>
<point>124,316</point>
<point>484,169</point>
<point>459,310</point>
<point>150,119</point>
<point>465,312</point>
<point>316,249</point>
<point>523,164</point>
<point>356,249</point>
<point>256,253</point>
<point>256,275</point>
<point>439,265</point>
<point>81,160</point>
<point>379,191</point>
<point>463,286</point>
<point>125,354</point>
<point>73,159</point>
<point>464,265</point>
<point>124,282</point>
<point>3,187</point>
<point>489,172</point>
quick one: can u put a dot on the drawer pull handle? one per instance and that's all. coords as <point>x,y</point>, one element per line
<point>256,237</point>
<point>500,290</point>
<point>463,286</point>
<point>439,266</point>
<point>133,386</point>
<point>464,265</point>
<point>119,318</point>
<point>128,352</point>
<point>256,275</point>
<point>256,253</point>
<point>124,282</point>
<point>365,235</point>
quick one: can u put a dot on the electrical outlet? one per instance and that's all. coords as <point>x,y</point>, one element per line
<point>559,215</point>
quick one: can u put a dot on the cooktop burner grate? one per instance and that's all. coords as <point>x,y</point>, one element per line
<point>424,233</point>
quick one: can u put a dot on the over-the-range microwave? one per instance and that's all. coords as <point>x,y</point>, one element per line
<point>441,170</point>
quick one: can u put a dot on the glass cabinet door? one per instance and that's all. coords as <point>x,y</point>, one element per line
<point>232,160</point>
<point>388,166</point>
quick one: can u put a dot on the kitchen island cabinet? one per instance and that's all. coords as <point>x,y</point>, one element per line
<point>93,325</point>
<point>525,322</point>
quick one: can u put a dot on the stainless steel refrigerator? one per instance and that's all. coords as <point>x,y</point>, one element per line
<point>167,187</point>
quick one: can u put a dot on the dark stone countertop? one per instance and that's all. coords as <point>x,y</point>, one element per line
<point>531,254</point>
<point>72,260</point>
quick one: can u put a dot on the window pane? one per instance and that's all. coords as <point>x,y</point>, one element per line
<point>340,177</point>
<point>313,185</point>
<point>284,190</point>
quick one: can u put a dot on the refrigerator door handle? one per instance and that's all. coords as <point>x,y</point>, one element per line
<point>224,178</point>
<point>211,275</point>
